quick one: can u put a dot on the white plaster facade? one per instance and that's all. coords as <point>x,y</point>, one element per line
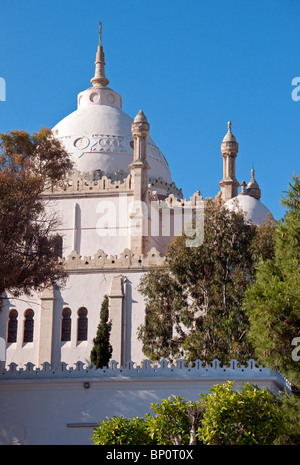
<point>118,213</point>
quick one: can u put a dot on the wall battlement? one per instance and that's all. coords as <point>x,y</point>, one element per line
<point>101,260</point>
<point>149,370</point>
<point>83,183</point>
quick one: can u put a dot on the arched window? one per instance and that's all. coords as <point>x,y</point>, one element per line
<point>82,324</point>
<point>28,326</point>
<point>66,325</point>
<point>12,326</point>
<point>58,246</point>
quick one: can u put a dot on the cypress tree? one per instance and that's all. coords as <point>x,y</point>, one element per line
<point>273,300</point>
<point>102,350</point>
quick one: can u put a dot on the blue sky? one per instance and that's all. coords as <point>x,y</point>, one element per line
<point>190,65</point>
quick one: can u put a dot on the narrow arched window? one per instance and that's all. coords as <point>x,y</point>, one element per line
<point>28,326</point>
<point>12,326</point>
<point>82,324</point>
<point>66,325</point>
<point>58,246</point>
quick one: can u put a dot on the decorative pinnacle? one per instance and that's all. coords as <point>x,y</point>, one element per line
<point>100,34</point>
<point>229,126</point>
<point>100,80</point>
<point>244,190</point>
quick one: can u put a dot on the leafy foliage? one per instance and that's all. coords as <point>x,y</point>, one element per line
<point>290,409</point>
<point>102,349</point>
<point>29,165</point>
<point>194,301</point>
<point>175,421</point>
<point>248,416</point>
<point>122,432</point>
<point>273,301</point>
<point>223,416</point>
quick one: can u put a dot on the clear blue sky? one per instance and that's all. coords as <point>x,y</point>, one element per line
<point>190,65</point>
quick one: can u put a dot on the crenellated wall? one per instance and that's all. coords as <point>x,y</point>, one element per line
<point>62,404</point>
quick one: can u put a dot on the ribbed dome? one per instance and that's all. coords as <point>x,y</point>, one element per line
<point>255,211</point>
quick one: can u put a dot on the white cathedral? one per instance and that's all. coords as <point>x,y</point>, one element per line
<point>118,212</point>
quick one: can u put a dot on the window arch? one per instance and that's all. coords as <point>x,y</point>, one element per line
<point>66,325</point>
<point>58,246</point>
<point>28,326</point>
<point>82,324</point>
<point>12,326</point>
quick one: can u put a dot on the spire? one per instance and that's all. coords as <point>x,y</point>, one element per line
<point>229,136</point>
<point>253,187</point>
<point>99,80</point>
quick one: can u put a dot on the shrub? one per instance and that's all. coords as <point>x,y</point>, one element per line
<point>247,416</point>
<point>122,432</point>
<point>175,421</point>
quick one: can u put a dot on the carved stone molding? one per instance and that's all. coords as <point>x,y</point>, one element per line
<point>126,260</point>
<point>83,183</point>
<point>97,182</point>
<point>151,370</point>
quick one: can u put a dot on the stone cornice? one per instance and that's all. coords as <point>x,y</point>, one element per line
<point>82,184</point>
<point>101,261</point>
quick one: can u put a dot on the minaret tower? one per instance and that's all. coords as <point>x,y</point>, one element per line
<point>229,149</point>
<point>139,172</point>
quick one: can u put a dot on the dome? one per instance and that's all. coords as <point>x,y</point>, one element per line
<point>98,134</point>
<point>255,211</point>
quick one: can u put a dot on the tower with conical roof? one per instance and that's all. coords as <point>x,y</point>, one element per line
<point>253,188</point>
<point>229,149</point>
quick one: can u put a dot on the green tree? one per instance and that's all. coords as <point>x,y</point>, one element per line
<point>175,421</point>
<point>102,350</point>
<point>290,409</point>
<point>272,302</point>
<point>121,431</point>
<point>226,416</point>
<point>273,306</point>
<point>29,167</point>
<point>194,301</point>
<point>247,416</point>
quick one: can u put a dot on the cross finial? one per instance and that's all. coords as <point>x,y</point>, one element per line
<point>99,80</point>
<point>100,33</point>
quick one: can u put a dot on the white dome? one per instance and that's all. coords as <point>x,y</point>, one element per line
<point>255,211</point>
<point>98,136</point>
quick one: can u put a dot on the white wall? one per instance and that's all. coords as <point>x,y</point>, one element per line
<point>53,406</point>
<point>83,289</point>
